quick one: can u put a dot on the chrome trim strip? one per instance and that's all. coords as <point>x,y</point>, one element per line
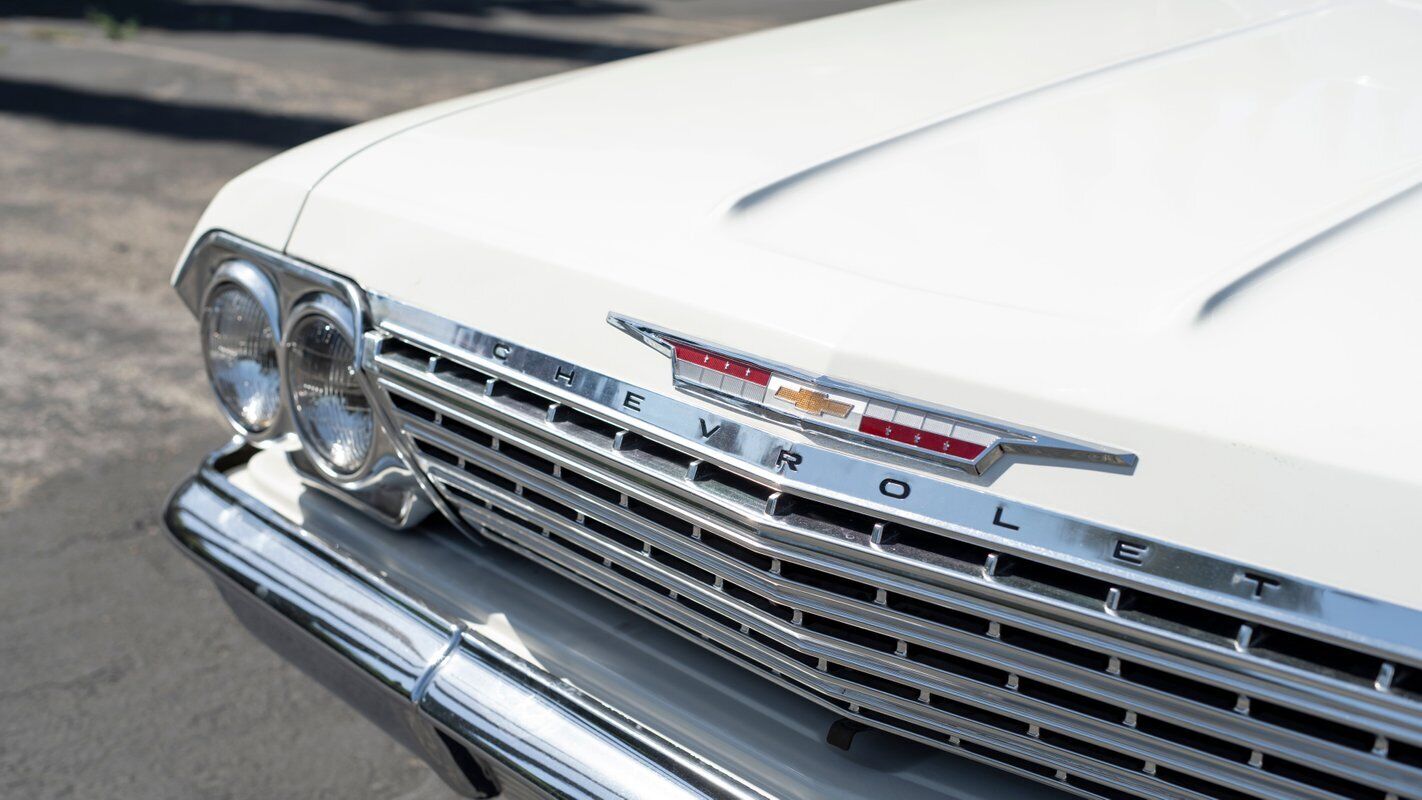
<point>960,511</point>
<point>551,738</point>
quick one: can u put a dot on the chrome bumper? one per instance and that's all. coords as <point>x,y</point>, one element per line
<point>487,720</point>
<point>509,679</point>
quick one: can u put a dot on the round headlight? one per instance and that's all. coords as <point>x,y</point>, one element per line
<point>240,346</point>
<point>332,413</point>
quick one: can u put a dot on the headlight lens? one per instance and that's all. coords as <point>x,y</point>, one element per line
<point>332,413</point>
<point>240,347</point>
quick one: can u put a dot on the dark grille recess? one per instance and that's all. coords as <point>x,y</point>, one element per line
<point>1095,710</point>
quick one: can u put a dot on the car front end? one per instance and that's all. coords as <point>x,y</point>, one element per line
<point>671,429</point>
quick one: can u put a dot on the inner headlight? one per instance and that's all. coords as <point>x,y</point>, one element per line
<point>239,343</point>
<point>332,413</point>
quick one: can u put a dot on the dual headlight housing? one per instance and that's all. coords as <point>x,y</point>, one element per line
<point>283,343</point>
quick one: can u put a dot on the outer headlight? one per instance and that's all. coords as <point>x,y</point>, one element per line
<point>332,413</point>
<point>240,346</point>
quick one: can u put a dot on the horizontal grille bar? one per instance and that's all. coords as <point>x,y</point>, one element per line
<point>761,573</point>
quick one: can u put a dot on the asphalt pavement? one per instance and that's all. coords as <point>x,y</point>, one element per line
<point>121,673</point>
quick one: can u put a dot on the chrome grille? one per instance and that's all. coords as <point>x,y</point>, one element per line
<point>1101,687</point>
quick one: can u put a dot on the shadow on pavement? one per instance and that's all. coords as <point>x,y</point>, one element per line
<point>180,120</point>
<point>482,8</point>
<point>393,30</point>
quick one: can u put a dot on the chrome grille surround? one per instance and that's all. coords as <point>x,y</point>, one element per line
<point>1028,647</point>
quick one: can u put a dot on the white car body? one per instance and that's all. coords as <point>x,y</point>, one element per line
<point>1185,229</point>
<point>1179,236</point>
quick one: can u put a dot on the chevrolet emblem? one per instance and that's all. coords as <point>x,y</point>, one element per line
<point>813,402</point>
<point>839,414</point>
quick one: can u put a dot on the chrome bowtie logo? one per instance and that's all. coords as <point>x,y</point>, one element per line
<point>843,414</point>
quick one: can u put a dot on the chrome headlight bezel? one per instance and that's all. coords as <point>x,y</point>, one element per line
<point>330,309</point>
<point>384,486</point>
<point>245,276</point>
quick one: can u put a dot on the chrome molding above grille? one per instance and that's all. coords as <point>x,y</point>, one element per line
<point>1001,631</point>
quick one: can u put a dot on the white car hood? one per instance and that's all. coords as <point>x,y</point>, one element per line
<point>1183,229</point>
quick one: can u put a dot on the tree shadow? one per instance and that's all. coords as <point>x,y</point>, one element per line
<point>395,31</point>
<point>484,8</point>
<point>179,120</point>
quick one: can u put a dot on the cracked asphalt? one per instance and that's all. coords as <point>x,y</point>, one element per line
<point>121,673</point>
